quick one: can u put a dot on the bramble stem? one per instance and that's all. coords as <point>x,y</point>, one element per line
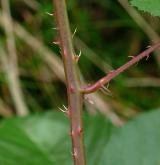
<point>74,89</point>
<point>106,79</point>
<point>75,97</point>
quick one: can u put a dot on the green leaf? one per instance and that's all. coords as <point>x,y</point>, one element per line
<point>45,140</point>
<point>36,140</point>
<point>97,134</point>
<point>137,143</point>
<point>151,6</point>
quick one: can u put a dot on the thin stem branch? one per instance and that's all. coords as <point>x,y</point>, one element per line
<point>106,79</point>
<point>75,97</point>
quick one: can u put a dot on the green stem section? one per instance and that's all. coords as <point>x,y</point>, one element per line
<point>75,97</point>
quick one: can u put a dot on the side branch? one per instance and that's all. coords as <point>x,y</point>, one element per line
<point>106,79</point>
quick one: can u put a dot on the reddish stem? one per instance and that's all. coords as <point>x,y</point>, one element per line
<point>106,79</point>
<point>75,96</point>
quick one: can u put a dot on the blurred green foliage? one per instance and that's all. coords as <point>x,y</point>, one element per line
<point>107,29</point>
<point>44,139</point>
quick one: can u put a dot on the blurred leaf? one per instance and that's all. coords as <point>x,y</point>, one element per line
<point>137,143</point>
<point>35,140</point>
<point>97,134</point>
<point>44,139</point>
<point>151,6</point>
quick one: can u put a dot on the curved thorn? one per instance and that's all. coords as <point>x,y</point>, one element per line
<point>50,14</point>
<point>74,32</point>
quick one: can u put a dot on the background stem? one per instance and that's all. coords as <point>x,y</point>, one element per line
<point>10,62</point>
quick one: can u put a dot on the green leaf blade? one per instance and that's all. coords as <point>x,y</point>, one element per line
<point>151,6</point>
<point>138,142</point>
<point>45,139</point>
<point>35,140</point>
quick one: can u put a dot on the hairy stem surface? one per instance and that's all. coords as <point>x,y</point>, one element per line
<point>73,86</point>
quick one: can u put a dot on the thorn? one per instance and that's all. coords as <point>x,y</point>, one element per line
<point>148,46</point>
<point>80,52</point>
<point>66,111</point>
<point>77,57</point>
<point>62,110</point>
<point>74,32</point>
<point>56,42</point>
<point>137,63</point>
<point>106,92</point>
<point>107,85</point>
<point>74,153</point>
<point>55,28</point>
<point>89,100</point>
<point>147,57</point>
<point>51,14</point>
<point>72,133</point>
<point>79,130</point>
<point>111,71</point>
<point>71,89</point>
<point>106,89</point>
<point>131,56</point>
<point>60,50</point>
